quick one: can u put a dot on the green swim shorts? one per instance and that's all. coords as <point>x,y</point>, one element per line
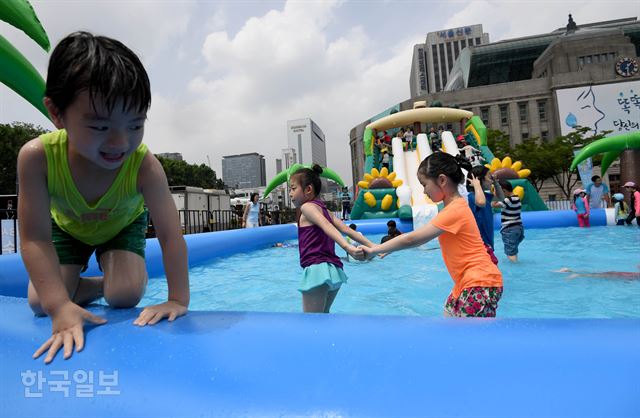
<point>72,251</point>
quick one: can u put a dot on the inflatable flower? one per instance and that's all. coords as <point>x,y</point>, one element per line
<point>379,180</point>
<point>508,170</point>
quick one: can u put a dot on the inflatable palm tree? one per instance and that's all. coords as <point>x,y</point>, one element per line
<point>625,146</point>
<point>16,72</point>
<point>285,175</point>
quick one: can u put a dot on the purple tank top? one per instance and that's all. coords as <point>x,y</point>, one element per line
<point>315,246</point>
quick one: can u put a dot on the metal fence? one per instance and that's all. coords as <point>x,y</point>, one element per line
<point>191,221</point>
<point>8,231</point>
<point>199,221</point>
<point>558,204</point>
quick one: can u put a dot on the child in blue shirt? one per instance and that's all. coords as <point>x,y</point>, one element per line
<point>479,198</point>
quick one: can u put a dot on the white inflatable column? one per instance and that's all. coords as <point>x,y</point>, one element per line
<point>398,159</point>
<point>449,143</point>
<point>403,192</point>
<point>451,147</point>
<point>424,150</point>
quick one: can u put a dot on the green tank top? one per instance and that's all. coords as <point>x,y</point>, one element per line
<point>98,223</point>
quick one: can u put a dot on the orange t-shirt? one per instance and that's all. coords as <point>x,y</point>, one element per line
<point>463,251</point>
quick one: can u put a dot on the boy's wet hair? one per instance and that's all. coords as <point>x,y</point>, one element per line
<point>443,163</point>
<point>391,224</point>
<point>310,176</point>
<point>102,66</point>
<point>354,227</point>
<point>506,186</point>
<point>594,178</point>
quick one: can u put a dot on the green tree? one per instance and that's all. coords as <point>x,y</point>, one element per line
<point>181,173</point>
<point>561,154</point>
<point>499,144</point>
<point>535,156</point>
<point>546,160</point>
<point>12,137</point>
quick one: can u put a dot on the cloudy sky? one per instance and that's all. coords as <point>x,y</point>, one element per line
<point>227,75</point>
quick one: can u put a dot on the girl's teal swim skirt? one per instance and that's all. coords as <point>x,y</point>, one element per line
<point>324,273</point>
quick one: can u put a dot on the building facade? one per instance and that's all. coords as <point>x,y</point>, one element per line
<point>518,86</point>
<point>171,156</point>
<point>432,61</point>
<point>307,141</point>
<point>289,158</point>
<point>244,171</point>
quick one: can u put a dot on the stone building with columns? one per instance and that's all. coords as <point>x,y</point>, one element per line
<point>512,84</point>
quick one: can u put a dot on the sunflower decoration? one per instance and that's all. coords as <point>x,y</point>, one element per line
<point>379,180</point>
<point>508,170</point>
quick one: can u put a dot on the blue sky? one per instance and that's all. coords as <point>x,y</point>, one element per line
<point>227,75</point>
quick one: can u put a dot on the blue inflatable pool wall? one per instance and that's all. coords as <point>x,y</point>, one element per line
<point>274,364</point>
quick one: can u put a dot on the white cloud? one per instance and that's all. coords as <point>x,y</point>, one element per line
<point>278,67</point>
<point>222,86</point>
<point>148,28</point>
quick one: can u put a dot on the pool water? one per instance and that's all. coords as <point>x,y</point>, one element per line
<point>416,282</point>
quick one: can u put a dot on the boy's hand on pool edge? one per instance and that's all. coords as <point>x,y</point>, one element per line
<point>151,315</point>
<point>67,330</point>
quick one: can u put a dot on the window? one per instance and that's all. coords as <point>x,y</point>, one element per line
<point>522,110</point>
<point>504,115</point>
<point>484,115</point>
<point>542,110</point>
<point>545,136</point>
<point>580,61</point>
<point>603,57</point>
<point>456,50</point>
<point>612,56</point>
<point>463,44</point>
<point>552,198</point>
<point>596,58</point>
<point>449,57</point>
<point>436,67</point>
<point>443,65</point>
<point>478,41</point>
<point>525,135</point>
<point>470,41</point>
<point>587,59</point>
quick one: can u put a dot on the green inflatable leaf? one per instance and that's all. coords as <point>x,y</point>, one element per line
<point>285,176</point>
<point>17,73</point>
<point>20,14</point>
<point>611,144</point>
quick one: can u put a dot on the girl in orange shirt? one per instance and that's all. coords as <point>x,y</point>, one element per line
<point>477,281</point>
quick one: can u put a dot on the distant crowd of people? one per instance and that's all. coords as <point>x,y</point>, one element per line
<point>383,144</point>
<point>596,195</point>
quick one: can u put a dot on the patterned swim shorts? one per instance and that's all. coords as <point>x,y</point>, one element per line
<point>474,301</point>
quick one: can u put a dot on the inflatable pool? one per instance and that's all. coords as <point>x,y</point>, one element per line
<point>243,363</point>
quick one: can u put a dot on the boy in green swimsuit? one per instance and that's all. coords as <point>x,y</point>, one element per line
<point>83,189</point>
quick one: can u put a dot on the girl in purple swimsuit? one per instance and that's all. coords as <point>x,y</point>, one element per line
<point>318,232</point>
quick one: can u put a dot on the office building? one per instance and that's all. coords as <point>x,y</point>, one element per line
<point>307,141</point>
<point>432,61</point>
<point>171,156</point>
<point>244,171</point>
